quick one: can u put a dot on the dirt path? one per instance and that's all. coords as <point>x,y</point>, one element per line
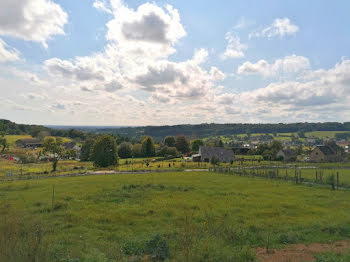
<point>300,252</point>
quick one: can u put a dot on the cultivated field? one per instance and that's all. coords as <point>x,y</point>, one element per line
<point>201,216</point>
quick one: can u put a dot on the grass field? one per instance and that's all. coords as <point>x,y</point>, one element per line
<point>324,134</point>
<point>201,216</point>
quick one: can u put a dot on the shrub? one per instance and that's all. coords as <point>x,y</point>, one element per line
<point>157,247</point>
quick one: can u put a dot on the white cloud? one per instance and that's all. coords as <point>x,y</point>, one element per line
<point>289,64</point>
<point>280,27</point>
<point>32,20</point>
<point>8,54</point>
<point>102,5</point>
<point>234,49</point>
<point>149,30</point>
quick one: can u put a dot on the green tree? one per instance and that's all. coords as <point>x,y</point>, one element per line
<point>86,149</point>
<point>3,142</point>
<point>169,141</point>
<point>104,152</point>
<point>53,146</point>
<point>195,144</point>
<point>182,144</point>
<point>148,148</point>
<point>136,150</point>
<point>124,150</point>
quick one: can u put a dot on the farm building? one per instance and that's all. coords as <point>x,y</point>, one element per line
<point>29,143</point>
<point>326,153</point>
<point>207,153</point>
<point>287,155</point>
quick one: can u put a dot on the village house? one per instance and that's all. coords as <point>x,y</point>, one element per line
<point>287,155</point>
<point>206,153</point>
<point>29,143</point>
<point>327,153</point>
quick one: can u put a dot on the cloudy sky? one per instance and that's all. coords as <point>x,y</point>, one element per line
<point>132,62</point>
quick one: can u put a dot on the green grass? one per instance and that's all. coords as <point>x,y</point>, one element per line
<point>11,139</point>
<point>324,134</point>
<point>202,216</point>
<point>35,169</point>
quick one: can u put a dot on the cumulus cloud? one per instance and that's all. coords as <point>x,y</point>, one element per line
<point>333,86</point>
<point>234,49</point>
<point>8,54</point>
<point>288,64</point>
<point>149,30</point>
<point>280,27</point>
<point>34,20</point>
<point>102,5</point>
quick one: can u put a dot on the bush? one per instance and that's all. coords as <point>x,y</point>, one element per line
<point>332,257</point>
<point>157,247</point>
<point>27,159</point>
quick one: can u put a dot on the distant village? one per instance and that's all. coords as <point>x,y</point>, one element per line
<point>213,149</point>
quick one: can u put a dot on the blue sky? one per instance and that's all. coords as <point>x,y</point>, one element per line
<point>112,62</point>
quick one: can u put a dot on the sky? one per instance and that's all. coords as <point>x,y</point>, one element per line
<point>165,62</point>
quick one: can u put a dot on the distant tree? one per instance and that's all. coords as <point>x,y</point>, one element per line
<point>172,151</point>
<point>124,150</point>
<point>214,161</point>
<point>3,142</point>
<point>70,153</point>
<point>276,146</point>
<point>43,134</point>
<point>86,149</point>
<point>136,150</point>
<point>301,134</point>
<point>170,141</point>
<point>182,144</point>
<point>219,143</point>
<point>53,146</point>
<point>166,151</point>
<point>299,150</point>
<point>104,152</point>
<point>148,148</point>
<point>195,144</point>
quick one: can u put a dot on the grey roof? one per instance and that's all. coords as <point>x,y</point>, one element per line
<point>289,152</point>
<point>326,150</point>
<point>29,141</point>
<point>221,153</point>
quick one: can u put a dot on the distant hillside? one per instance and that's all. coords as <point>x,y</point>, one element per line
<point>207,130</point>
<point>11,128</point>
<point>159,132</point>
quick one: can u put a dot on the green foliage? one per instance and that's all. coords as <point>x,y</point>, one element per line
<point>124,150</point>
<point>182,144</point>
<point>157,247</point>
<point>214,161</point>
<point>195,144</point>
<point>3,142</point>
<point>166,151</point>
<point>104,152</point>
<point>53,146</point>
<point>332,257</point>
<point>86,149</point>
<point>170,141</point>
<point>148,148</point>
<point>137,150</point>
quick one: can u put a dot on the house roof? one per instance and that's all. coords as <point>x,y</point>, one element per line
<point>326,150</point>
<point>289,152</point>
<point>29,141</point>
<point>69,145</point>
<point>219,152</point>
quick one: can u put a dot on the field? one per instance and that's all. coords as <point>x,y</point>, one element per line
<point>323,134</point>
<point>201,216</point>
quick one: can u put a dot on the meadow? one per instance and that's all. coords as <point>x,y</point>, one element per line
<point>179,216</point>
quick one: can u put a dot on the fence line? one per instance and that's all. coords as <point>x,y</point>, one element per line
<point>332,180</point>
